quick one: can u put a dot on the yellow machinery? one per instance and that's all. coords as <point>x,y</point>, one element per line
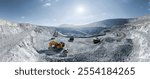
<point>55,44</point>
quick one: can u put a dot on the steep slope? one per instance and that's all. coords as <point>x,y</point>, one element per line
<point>19,42</point>
<point>139,33</point>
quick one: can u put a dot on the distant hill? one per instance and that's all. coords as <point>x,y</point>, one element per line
<point>92,28</point>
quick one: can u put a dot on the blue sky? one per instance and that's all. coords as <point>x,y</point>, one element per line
<point>56,12</point>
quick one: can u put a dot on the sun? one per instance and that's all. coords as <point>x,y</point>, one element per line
<point>80,9</point>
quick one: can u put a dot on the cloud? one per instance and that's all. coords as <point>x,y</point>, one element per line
<point>47,4</point>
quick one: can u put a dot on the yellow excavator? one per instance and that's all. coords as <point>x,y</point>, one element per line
<point>58,47</point>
